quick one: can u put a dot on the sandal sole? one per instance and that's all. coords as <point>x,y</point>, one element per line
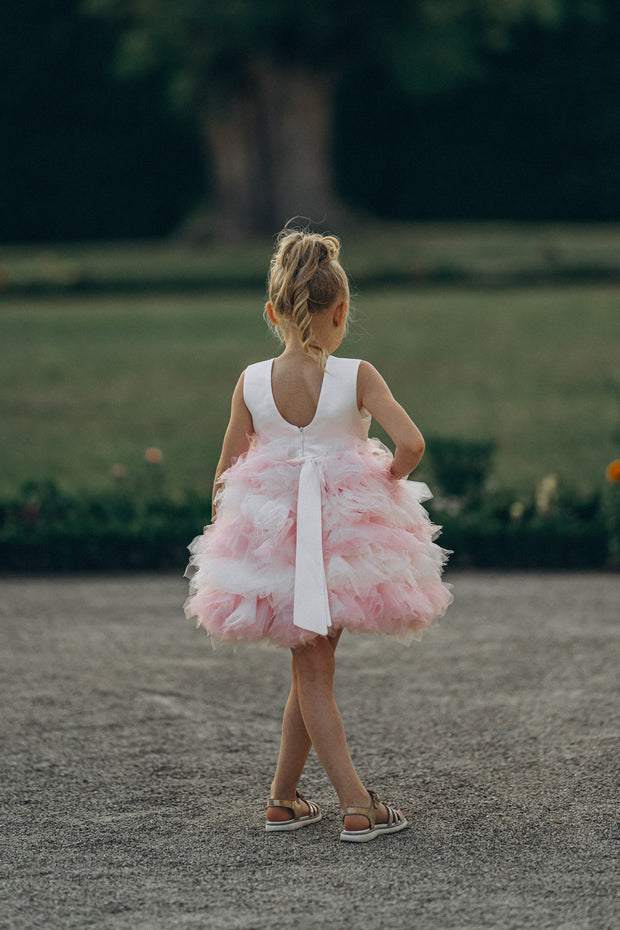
<point>287,825</point>
<point>365,836</point>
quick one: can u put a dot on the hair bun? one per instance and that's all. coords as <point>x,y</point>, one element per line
<point>331,247</point>
<point>297,247</point>
<point>288,253</point>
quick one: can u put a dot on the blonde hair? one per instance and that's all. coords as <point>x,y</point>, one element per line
<point>305,277</point>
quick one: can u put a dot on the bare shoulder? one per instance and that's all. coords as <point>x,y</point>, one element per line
<point>238,408</point>
<point>240,416</point>
<point>238,392</point>
<point>369,382</point>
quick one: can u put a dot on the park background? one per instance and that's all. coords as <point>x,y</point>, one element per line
<point>467,153</point>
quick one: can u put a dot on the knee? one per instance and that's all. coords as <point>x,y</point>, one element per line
<point>313,662</point>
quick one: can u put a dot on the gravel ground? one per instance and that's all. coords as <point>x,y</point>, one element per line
<point>136,763</point>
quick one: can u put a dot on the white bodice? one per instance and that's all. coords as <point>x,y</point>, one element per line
<point>336,423</point>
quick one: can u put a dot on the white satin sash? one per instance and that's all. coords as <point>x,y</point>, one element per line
<point>311,603</point>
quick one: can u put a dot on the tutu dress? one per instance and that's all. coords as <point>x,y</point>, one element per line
<point>312,534</point>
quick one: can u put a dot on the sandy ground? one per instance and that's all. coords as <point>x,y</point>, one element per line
<point>136,763</point>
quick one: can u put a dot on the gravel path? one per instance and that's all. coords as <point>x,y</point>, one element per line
<point>136,762</point>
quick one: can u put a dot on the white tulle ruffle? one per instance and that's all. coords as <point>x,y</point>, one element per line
<point>382,566</point>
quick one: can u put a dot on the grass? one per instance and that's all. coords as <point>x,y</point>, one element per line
<point>483,252</point>
<point>89,382</point>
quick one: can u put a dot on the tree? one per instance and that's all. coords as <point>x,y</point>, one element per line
<point>261,78</point>
<point>70,138</point>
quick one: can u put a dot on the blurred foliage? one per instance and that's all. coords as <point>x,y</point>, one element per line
<point>83,155</point>
<point>380,254</point>
<point>558,542</point>
<point>45,529</point>
<point>261,79</point>
<point>499,529</point>
<point>521,121</point>
<point>427,45</point>
<point>537,136</point>
<point>514,120</point>
<point>460,467</point>
<point>611,511</point>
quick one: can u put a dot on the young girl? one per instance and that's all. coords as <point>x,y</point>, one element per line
<point>314,529</point>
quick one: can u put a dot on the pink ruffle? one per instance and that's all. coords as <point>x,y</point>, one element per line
<point>382,566</point>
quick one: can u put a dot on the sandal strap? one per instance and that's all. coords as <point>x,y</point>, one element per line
<point>392,816</point>
<point>294,805</point>
<point>370,813</point>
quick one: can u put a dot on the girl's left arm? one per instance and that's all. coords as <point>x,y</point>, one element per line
<point>236,439</point>
<point>376,397</point>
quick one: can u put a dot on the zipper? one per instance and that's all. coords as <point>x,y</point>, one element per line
<point>301,434</point>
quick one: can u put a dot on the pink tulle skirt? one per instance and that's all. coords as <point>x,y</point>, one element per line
<point>382,566</point>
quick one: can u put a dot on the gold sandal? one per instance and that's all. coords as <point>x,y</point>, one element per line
<point>298,819</point>
<point>396,821</point>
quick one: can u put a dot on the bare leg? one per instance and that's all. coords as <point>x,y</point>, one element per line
<point>314,673</point>
<point>295,745</point>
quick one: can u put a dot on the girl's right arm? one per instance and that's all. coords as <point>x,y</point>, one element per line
<point>374,394</point>
<point>237,437</point>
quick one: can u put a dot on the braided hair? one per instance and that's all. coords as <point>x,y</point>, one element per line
<point>305,277</point>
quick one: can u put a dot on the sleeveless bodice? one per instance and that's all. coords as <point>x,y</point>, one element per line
<point>336,421</point>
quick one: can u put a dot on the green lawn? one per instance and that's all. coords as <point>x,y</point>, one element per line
<point>87,382</point>
<point>374,252</point>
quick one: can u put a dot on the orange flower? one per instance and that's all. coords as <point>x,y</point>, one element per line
<point>613,470</point>
<point>154,455</point>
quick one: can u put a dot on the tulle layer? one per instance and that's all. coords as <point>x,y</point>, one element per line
<point>383,568</point>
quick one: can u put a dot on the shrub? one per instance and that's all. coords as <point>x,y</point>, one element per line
<point>45,529</point>
<point>460,467</point>
<point>611,511</point>
<point>491,532</point>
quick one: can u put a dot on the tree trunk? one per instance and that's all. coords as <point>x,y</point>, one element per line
<point>298,115</point>
<point>240,205</point>
<point>270,155</point>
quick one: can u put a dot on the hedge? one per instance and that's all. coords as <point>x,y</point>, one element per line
<point>47,530</point>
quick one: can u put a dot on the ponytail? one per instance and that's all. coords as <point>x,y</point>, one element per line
<point>305,277</point>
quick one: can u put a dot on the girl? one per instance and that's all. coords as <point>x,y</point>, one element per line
<point>314,529</point>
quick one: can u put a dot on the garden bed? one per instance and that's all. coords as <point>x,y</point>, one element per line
<point>46,530</point>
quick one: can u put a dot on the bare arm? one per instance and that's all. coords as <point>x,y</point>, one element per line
<point>374,394</point>
<point>236,438</point>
